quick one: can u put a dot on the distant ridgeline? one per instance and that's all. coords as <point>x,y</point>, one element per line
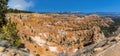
<point>10,10</point>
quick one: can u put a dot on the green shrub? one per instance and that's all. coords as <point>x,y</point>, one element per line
<point>37,55</point>
<point>10,34</point>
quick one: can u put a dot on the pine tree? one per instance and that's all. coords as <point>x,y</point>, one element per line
<point>3,11</point>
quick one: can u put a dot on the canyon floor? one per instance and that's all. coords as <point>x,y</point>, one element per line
<point>64,35</point>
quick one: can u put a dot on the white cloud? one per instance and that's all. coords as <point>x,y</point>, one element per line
<point>20,4</point>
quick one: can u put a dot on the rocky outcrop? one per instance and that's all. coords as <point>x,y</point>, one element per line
<point>13,52</point>
<point>7,50</point>
<point>111,51</point>
<point>49,35</point>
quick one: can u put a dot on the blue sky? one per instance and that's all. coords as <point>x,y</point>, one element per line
<point>66,5</point>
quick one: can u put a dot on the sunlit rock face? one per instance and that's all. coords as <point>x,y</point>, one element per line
<point>49,34</point>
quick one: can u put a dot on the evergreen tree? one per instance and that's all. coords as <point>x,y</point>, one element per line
<point>3,11</point>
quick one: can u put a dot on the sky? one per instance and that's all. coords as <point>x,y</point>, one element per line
<point>66,5</point>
